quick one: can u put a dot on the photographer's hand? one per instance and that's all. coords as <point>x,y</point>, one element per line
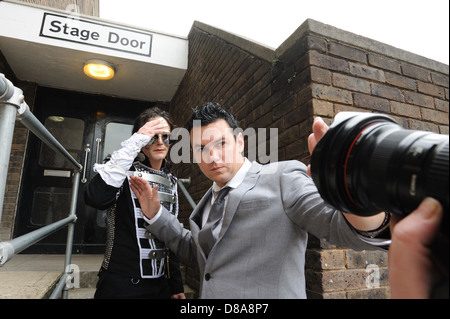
<point>411,270</point>
<point>147,196</point>
<point>319,129</point>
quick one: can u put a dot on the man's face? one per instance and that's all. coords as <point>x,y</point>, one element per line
<point>217,151</point>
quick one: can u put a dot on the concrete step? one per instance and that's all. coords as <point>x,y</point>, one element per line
<point>35,276</point>
<point>81,293</point>
<point>28,284</point>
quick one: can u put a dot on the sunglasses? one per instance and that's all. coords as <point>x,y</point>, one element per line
<point>164,137</point>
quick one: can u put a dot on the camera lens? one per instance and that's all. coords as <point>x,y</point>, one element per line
<point>367,163</point>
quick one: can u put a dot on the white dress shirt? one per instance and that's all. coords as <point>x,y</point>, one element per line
<point>237,180</point>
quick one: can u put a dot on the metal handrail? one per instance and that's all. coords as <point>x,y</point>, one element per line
<point>14,246</point>
<point>34,125</point>
<point>12,107</point>
<point>181,183</point>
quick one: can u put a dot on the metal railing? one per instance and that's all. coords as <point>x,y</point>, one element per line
<point>181,184</point>
<point>12,107</point>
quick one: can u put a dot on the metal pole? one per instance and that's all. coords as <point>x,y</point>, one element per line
<point>7,120</point>
<point>185,192</point>
<point>32,123</point>
<point>16,245</point>
<point>6,88</point>
<point>8,110</point>
<point>11,104</point>
<point>71,229</point>
<point>59,287</point>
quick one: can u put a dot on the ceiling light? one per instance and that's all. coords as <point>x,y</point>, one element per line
<point>99,70</point>
<point>55,118</point>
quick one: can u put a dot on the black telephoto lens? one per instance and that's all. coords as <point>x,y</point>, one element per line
<point>367,163</point>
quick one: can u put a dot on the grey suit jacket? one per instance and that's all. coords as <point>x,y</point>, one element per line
<point>260,252</point>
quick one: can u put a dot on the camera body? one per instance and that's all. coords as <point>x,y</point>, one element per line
<point>367,163</point>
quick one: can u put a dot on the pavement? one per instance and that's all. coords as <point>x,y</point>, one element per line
<point>30,276</point>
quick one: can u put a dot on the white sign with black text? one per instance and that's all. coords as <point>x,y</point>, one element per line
<point>74,29</point>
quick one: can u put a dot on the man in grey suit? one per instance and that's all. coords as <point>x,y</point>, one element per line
<point>260,241</point>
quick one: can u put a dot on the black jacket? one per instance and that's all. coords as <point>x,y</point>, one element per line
<point>124,249</point>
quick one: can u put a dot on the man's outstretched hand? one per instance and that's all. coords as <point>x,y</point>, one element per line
<point>147,196</point>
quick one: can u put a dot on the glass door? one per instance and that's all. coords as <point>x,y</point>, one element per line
<point>90,127</point>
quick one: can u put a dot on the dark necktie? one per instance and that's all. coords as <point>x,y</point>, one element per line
<point>205,236</point>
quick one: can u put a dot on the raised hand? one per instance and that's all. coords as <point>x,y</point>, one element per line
<point>147,196</point>
<point>154,127</point>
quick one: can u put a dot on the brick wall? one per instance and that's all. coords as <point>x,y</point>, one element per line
<point>13,181</point>
<point>346,274</point>
<point>318,71</point>
<point>17,157</point>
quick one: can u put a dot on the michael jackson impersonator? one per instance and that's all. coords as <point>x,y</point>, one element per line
<point>136,264</point>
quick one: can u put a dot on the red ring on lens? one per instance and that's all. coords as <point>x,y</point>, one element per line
<point>346,162</point>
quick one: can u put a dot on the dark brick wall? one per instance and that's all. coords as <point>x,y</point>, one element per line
<point>17,158</point>
<point>311,74</point>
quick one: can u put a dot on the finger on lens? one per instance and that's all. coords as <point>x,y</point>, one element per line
<point>311,143</point>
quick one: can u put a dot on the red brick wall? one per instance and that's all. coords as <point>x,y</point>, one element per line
<point>346,274</point>
<point>314,73</point>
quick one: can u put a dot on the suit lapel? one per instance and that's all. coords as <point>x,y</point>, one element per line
<point>236,195</point>
<point>196,215</point>
<point>196,220</point>
<point>234,199</point>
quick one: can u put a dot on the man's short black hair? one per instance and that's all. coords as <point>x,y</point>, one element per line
<point>209,113</point>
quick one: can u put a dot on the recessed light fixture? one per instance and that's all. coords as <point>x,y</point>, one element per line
<point>99,70</point>
<point>56,118</point>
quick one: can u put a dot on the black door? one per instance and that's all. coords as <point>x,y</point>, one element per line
<point>90,127</point>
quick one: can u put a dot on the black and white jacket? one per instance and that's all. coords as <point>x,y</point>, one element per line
<point>130,249</point>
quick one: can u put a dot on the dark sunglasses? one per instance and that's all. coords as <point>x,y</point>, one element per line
<point>165,138</point>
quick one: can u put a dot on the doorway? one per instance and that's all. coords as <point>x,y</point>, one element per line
<point>90,127</point>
